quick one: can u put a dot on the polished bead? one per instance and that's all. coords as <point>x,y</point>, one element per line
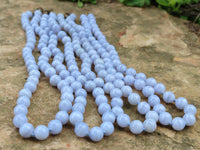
<point>159,88</point>
<point>78,107</point>
<point>65,105</point>
<point>62,116</point>
<point>67,96</point>
<point>126,91</point>
<point>118,83</point>
<point>20,109</point>
<point>189,119</point>
<point>23,100</point>
<point>81,99</point>
<point>26,130</point>
<point>108,87</point>
<point>181,102</point>
<point>66,89</point>
<point>153,100</point>
<point>109,78</point>
<point>148,91</point>
<point>190,109</point>
<point>99,82</point>
<point>134,98</point>
<point>159,108</point>
<point>116,101</point>
<point>152,115</point>
<point>103,107</point>
<point>168,97</point>
<point>31,86</point>
<point>90,85</point>
<point>131,71</point>
<point>136,127</point>
<point>140,76</point>
<point>165,118</point>
<point>97,91</point>
<point>25,92</point>
<point>96,134</point>
<point>149,125</point>
<point>101,99</point>
<point>178,123</point>
<point>115,92</point>
<point>143,108</point>
<point>55,127</point>
<point>76,85</point>
<point>54,80</point>
<point>108,117</point>
<point>151,82</point>
<point>81,129</point>
<point>81,92</point>
<point>108,128</point>
<point>139,84</point>
<point>19,120</point>
<point>41,132</point>
<point>129,80</point>
<point>123,120</point>
<point>75,117</point>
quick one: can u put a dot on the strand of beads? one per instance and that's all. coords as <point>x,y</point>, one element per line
<point>148,87</point>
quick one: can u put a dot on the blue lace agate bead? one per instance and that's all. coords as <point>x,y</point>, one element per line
<point>75,117</point>
<point>115,93</point>
<point>159,88</point>
<point>108,87</point>
<point>41,132</point>
<point>131,71</point>
<point>126,90</point>
<point>20,109</point>
<point>101,99</point>
<point>178,123</point>
<point>165,118</point>
<point>65,105</point>
<point>190,109</point>
<point>143,108</point>
<point>152,115</point>
<point>189,119</point>
<point>181,102</point>
<point>26,130</point>
<point>116,101</point>
<point>19,120</point>
<point>78,107</point>
<point>108,117</point>
<point>136,127</point>
<point>103,107</point>
<point>123,120</point>
<point>118,83</point>
<point>96,134</point>
<point>149,125</point>
<point>168,97</point>
<point>159,108</point>
<point>134,98</point>
<point>81,129</point>
<point>129,80</point>
<point>117,110</point>
<point>148,91</point>
<point>108,128</point>
<point>151,82</point>
<point>153,100</point>
<point>140,76</point>
<point>90,85</point>
<point>55,127</point>
<point>97,91</point>
<point>62,116</point>
<point>139,84</point>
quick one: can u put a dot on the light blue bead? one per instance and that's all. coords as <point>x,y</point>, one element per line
<point>96,134</point>
<point>97,91</point>
<point>41,132</point>
<point>143,108</point>
<point>55,127</point>
<point>90,75</point>
<point>126,91</point>
<point>190,109</point>
<point>118,83</point>
<point>101,99</point>
<point>153,100</point>
<point>149,125</point>
<point>108,87</point>
<point>129,80</point>
<point>116,101</point>
<point>152,115</point>
<point>65,105</point>
<point>136,127</point>
<point>76,85</point>
<point>148,91</point>
<point>78,107</point>
<point>110,78</point>
<point>62,84</point>
<point>134,98</point>
<point>108,117</point>
<point>70,79</point>
<point>131,71</point>
<point>139,84</point>
<point>82,79</point>
<point>168,97</point>
<point>81,92</point>
<point>108,128</point>
<point>19,120</point>
<point>165,118</point>
<point>62,116</point>
<point>119,75</point>
<point>81,129</point>
<point>123,120</point>
<point>159,88</point>
<point>34,73</point>
<point>50,72</point>
<point>103,107</point>
<point>81,99</point>
<point>66,89</point>
<point>99,82</point>
<point>178,123</point>
<point>121,68</point>
<point>115,93</point>
<point>159,108</point>
<point>20,109</point>
<point>102,73</point>
<point>26,130</point>
<point>111,70</point>
<point>75,117</point>
<point>140,76</point>
<point>33,79</point>
<point>67,96</point>
<point>151,82</point>
<point>54,80</point>
<point>189,119</point>
<point>181,102</point>
<point>25,92</point>
<point>90,85</point>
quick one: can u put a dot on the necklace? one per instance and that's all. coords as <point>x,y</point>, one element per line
<point>113,78</point>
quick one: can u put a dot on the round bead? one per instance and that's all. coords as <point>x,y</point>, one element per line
<point>159,108</point>
<point>143,108</point>
<point>81,92</point>
<point>136,127</point>
<point>126,90</point>
<point>131,71</point>
<point>117,110</point>
<point>62,116</point>
<point>140,76</point>
<point>107,128</point>
<point>151,82</point>
<point>118,83</point>
<point>81,129</point>
<point>96,134</point>
<point>54,80</point>
<point>165,118</point>
<point>123,120</point>
<point>189,119</point>
<point>80,99</point>
<point>108,117</point>
<point>90,85</point>
<point>76,85</point>
<point>67,96</point>
<point>101,99</point>
<point>178,124</point>
<point>41,132</point>
<point>19,120</point>
<point>97,91</point>
<point>168,97</point>
<point>26,130</point>
<point>159,88</point>
<point>134,98</point>
<point>116,101</point>
<point>20,109</point>
<point>115,93</point>
<point>139,84</point>
<point>153,100</point>
<point>110,78</point>
<point>65,105</point>
<point>25,92</point>
<point>181,102</point>
<point>75,117</point>
<point>108,87</point>
<point>103,107</point>
<point>148,91</point>
<point>152,115</point>
<point>129,80</point>
<point>150,125</point>
<point>190,109</point>
<point>78,107</point>
<point>55,127</point>
<point>99,82</point>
